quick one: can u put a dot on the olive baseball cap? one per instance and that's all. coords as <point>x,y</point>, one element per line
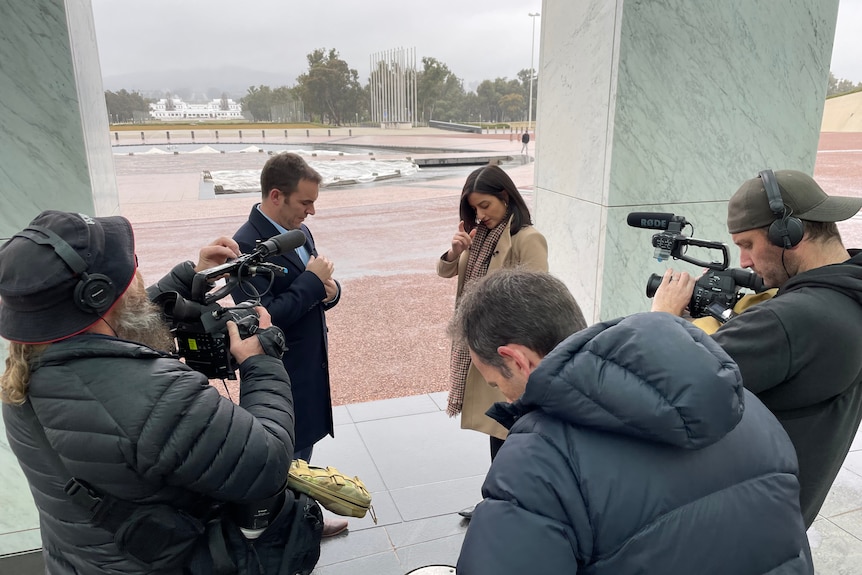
<point>37,281</point>
<point>748,208</point>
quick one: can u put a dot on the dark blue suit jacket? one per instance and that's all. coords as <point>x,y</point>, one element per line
<point>294,302</point>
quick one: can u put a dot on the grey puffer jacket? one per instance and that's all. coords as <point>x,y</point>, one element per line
<point>145,428</point>
<point>636,449</point>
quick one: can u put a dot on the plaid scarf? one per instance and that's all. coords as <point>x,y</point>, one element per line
<point>479,257</point>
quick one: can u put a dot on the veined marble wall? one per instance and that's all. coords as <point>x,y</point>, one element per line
<point>55,153</point>
<point>666,106</point>
<point>56,150</point>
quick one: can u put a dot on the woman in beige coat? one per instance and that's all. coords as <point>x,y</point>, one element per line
<point>495,232</point>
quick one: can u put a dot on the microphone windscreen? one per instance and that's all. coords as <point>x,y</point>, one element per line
<point>649,220</point>
<point>287,241</point>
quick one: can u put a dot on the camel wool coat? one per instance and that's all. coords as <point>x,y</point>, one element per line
<point>527,249</point>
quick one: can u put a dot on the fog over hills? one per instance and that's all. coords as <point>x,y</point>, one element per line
<point>198,83</point>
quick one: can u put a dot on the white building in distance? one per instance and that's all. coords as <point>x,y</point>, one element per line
<point>218,109</point>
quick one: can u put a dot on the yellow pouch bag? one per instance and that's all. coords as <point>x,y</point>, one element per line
<point>332,489</point>
<point>710,325</point>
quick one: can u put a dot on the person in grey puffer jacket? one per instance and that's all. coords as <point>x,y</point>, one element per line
<point>633,446</point>
<point>88,393</point>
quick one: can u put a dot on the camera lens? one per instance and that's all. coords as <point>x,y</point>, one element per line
<point>652,284</point>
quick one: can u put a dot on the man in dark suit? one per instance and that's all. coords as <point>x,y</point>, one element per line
<point>297,301</point>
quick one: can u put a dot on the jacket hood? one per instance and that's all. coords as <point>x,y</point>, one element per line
<point>651,375</point>
<point>845,278</point>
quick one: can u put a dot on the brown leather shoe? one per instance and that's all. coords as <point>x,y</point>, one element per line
<point>333,527</point>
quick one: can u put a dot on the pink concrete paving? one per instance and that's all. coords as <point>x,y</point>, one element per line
<point>387,336</point>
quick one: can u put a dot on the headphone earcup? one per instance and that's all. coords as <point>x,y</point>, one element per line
<point>94,293</point>
<point>795,229</point>
<point>786,232</point>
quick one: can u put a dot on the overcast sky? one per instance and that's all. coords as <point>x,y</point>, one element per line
<point>477,39</point>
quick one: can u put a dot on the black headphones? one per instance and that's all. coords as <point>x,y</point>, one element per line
<point>94,293</point>
<point>786,231</point>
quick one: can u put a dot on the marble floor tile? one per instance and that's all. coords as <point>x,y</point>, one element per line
<point>834,551</point>
<point>844,496</point>
<point>391,408</point>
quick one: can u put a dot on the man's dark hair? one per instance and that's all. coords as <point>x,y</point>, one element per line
<point>492,180</point>
<point>283,172</point>
<point>533,309</point>
<point>818,230</point>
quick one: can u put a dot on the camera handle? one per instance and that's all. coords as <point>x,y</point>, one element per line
<point>677,253</point>
<point>236,270</point>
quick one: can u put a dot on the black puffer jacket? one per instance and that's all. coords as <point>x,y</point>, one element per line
<point>145,428</point>
<point>631,453</point>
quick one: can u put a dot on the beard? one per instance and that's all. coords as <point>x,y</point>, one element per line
<point>140,320</point>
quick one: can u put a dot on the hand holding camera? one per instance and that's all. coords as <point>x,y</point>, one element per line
<point>243,345</point>
<point>714,293</point>
<point>206,333</point>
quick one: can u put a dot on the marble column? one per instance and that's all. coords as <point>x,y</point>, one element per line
<point>56,150</point>
<point>55,153</point>
<point>666,106</point>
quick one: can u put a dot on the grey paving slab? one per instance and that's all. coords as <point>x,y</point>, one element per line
<point>347,453</point>
<point>854,463</point>
<point>435,499</point>
<point>340,415</point>
<point>384,509</point>
<point>437,552</point>
<point>440,398</point>
<point>387,408</point>
<point>424,448</point>
<point>379,564</point>
<point>422,530</point>
<point>835,552</point>
<point>850,522</point>
<point>348,546</point>
<point>845,495</point>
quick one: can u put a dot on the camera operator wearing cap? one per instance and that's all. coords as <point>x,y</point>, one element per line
<point>90,393</point>
<point>794,350</point>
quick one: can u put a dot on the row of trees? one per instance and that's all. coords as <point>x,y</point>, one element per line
<point>330,92</point>
<point>841,85</point>
<point>126,106</point>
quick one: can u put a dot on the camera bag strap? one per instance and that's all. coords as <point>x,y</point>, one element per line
<point>110,513</point>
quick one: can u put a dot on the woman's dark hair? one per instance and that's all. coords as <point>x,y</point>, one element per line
<point>492,180</point>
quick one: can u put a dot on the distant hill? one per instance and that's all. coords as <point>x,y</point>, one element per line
<point>198,84</point>
<point>843,114</point>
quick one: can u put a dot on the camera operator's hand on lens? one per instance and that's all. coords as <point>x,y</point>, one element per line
<point>217,253</point>
<point>321,267</point>
<point>331,290</point>
<point>242,349</point>
<point>460,242</point>
<point>674,293</point>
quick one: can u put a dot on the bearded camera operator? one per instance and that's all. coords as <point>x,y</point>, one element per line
<point>797,351</point>
<point>90,393</point>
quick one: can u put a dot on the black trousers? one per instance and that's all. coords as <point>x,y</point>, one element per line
<point>496,444</point>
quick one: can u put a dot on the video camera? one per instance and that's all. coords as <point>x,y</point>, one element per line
<point>717,290</point>
<point>199,324</point>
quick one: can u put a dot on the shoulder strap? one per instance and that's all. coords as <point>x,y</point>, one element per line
<point>105,510</point>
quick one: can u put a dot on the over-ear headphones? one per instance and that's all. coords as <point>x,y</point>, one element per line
<point>786,231</point>
<point>94,293</point>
